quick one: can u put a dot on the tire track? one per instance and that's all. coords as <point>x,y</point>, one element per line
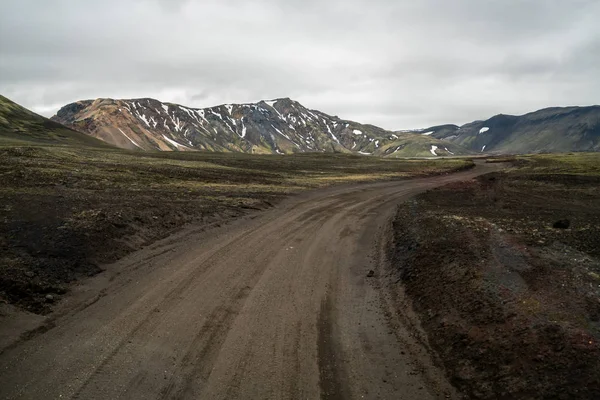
<point>272,307</point>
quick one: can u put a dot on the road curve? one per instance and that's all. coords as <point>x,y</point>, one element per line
<point>277,306</point>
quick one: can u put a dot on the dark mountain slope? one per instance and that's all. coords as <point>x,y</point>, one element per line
<point>557,129</point>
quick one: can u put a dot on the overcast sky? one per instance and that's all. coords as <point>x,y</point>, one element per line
<point>393,63</point>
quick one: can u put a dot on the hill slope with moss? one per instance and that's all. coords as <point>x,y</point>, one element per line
<point>19,125</point>
<point>551,130</point>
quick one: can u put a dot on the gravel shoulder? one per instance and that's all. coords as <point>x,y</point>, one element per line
<point>504,273</point>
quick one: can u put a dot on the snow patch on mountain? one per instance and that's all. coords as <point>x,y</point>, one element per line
<point>130,139</point>
<point>143,118</point>
<point>332,135</point>
<point>217,114</point>
<point>271,104</point>
<point>174,143</point>
<point>281,133</point>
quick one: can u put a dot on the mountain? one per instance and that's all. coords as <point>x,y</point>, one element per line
<point>284,126</point>
<point>19,125</point>
<point>280,126</point>
<point>557,129</point>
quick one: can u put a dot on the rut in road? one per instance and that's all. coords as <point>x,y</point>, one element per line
<point>274,306</point>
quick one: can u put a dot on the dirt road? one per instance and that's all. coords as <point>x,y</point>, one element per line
<point>276,306</point>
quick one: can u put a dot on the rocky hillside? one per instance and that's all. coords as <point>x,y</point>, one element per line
<point>549,130</point>
<point>280,126</point>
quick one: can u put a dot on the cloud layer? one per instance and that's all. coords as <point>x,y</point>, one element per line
<point>397,64</point>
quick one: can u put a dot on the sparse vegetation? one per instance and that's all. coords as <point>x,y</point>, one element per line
<point>504,271</point>
<point>66,210</point>
<point>576,164</point>
<point>21,127</point>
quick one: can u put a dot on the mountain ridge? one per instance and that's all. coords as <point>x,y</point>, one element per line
<point>284,126</point>
<point>278,126</point>
<point>551,129</point>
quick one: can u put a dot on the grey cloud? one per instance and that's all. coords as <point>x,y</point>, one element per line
<point>398,64</point>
